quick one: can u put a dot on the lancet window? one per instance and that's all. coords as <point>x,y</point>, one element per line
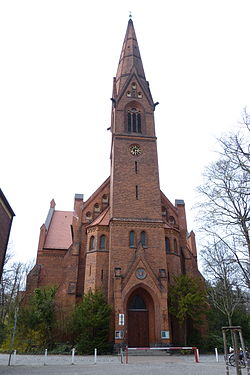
<point>167,244</point>
<point>175,246</point>
<point>143,238</point>
<point>134,121</point>
<point>132,239</point>
<point>103,242</point>
<point>92,243</point>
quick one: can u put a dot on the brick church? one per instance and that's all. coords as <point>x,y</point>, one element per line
<point>127,239</point>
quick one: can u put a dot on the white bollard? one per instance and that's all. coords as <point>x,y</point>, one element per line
<point>45,357</point>
<point>14,358</point>
<point>73,356</point>
<point>95,357</point>
<point>216,354</point>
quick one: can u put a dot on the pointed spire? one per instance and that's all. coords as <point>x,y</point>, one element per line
<point>130,60</point>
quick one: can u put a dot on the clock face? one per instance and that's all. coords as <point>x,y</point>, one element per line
<point>140,273</point>
<point>135,150</point>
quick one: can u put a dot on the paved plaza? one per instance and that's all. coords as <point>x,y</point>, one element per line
<point>111,365</point>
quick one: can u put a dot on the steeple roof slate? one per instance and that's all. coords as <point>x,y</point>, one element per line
<point>130,61</point>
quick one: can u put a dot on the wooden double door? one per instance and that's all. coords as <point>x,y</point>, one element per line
<point>138,329</point>
<point>138,322</point>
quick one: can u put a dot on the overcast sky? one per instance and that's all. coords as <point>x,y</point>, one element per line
<point>57,62</point>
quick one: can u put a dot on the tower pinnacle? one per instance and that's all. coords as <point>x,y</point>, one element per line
<point>130,62</point>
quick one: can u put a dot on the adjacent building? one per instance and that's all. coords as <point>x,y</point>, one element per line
<point>6,217</point>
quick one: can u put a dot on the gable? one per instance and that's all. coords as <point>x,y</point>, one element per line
<point>59,235</point>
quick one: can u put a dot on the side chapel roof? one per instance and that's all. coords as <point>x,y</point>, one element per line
<point>58,226</point>
<point>102,219</point>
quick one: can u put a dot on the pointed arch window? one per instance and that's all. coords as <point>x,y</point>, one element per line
<point>134,121</point>
<point>143,238</point>
<point>167,244</point>
<point>103,242</point>
<point>92,243</point>
<point>175,246</point>
<point>132,239</point>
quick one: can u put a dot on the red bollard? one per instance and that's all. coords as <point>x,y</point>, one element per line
<point>196,356</point>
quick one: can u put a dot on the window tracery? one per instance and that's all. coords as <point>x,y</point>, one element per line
<point>134,121</point>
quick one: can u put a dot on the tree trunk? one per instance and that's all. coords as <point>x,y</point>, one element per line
<point>230,325</point>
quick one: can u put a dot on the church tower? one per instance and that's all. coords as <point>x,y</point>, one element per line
<point>134,166</point>
<point>127,238</point>
<point>136,225</point>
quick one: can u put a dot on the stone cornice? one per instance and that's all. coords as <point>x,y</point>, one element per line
<point>142,138</point>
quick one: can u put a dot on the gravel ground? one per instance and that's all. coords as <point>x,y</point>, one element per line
<point>138,365</point>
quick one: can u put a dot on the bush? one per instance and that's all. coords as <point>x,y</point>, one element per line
<point>90,323</point>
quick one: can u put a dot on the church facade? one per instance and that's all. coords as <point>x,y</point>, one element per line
<point>127,239</point>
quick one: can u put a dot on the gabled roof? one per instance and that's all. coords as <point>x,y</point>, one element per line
<point>59,233</point>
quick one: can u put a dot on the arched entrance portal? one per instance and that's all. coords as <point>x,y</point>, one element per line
<point>140,308</point>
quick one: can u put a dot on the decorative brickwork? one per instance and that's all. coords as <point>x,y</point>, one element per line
<point>127,239</point>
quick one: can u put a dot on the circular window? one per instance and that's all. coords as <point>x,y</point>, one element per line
<point>172,220</point>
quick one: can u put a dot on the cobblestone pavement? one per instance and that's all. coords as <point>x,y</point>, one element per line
<point>141,365</point>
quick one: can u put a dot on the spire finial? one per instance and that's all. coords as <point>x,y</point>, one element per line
<point>130,15</point>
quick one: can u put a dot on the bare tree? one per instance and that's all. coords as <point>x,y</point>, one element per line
<point>12,282</point>
<point>224,210</point>
<point>236,145</point>
<point>221,271</point>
